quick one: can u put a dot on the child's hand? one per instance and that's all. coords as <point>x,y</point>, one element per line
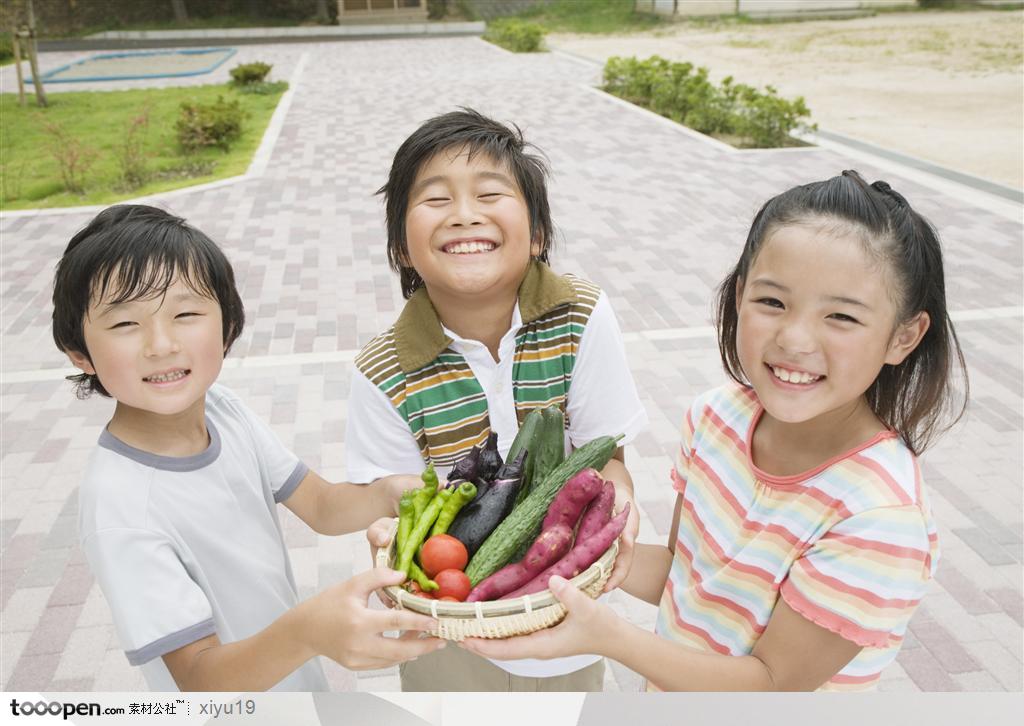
<point>393,486</point>
<point>627,543</point>
<point>578,633</point>
<point>338,624</point>
<point>379,535</point>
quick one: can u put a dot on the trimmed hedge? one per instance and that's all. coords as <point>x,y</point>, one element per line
<point>518,36</point>
<point>742,114</point>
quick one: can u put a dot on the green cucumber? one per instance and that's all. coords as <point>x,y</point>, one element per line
<point>551,452</point>
<point>523,524</point>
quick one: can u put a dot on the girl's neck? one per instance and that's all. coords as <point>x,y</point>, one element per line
<point>181,434</point>
<point>787,449</point>
<point>485,320</point>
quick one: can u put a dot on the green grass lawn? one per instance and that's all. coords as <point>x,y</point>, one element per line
<point>30,175</point>
<point>592,16</point>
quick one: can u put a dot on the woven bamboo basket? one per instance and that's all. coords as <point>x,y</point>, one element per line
<point>498,618</point>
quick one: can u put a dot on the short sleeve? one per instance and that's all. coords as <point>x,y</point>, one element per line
<point>282,467</point>
<point>681,465</point>
<point>602,397</point>
<point>865,576</point>
<point>378,441</point>
<point>157,607</point>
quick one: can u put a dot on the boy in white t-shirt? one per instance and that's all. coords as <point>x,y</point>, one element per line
<point>178,514</point>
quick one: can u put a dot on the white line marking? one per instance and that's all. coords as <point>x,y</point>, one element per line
<point>240,365</point>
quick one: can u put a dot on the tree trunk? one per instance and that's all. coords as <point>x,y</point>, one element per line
<point>16,43</point>
<point>33,55</point>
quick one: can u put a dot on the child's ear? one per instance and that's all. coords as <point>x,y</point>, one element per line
<point>80,361</point>
<point>536,247</point>
<point>907,337</point>
<point>739,291</point>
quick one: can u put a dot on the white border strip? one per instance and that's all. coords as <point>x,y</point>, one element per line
<point>257,166</point>
<point>235,365</point>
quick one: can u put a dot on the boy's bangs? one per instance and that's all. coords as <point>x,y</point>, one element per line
<point>135,279</point>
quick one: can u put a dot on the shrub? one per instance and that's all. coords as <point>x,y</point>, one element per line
<point>684,94</point>
<point>130,154</point>
<point>248,73</point>
<point>436,9</point>
<point>72,156</point>
<point>202,125</point>
<point>263,89</point>
<point>518,36</point>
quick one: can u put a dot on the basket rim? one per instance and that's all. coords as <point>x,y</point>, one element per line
<point>492,608</point>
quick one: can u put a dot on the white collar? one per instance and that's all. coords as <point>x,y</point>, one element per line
<point>463,344</point>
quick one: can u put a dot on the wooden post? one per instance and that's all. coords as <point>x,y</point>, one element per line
<point>17,64</point>
<point>33,56</point>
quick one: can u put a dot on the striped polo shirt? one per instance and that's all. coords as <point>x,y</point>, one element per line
<point>432,387</point>
<point>850,545</point>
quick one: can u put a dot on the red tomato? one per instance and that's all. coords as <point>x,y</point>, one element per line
<point>443,552</point>
<point>453,583</point>
<point>449,598</point>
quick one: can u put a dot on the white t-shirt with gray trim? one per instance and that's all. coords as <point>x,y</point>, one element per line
<point>187,547</point>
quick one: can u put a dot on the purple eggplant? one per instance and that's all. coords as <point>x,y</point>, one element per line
<point>490,459</point>
<point>475,521</point>
<point>466,468</point>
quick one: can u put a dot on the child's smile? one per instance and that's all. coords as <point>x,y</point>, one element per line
<point>167,379</point>
<point>472,246</point>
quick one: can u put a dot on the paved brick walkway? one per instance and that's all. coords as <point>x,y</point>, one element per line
<point>650,213</point>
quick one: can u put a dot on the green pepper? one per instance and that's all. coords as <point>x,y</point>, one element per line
<point>419,531</point>
<point>405,519</point>
<point>425,583</point>
<point>429,476</point>
<point>423,495</point>
<point>459,498</point>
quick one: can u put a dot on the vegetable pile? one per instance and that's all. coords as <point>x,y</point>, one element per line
<point>502,529</point>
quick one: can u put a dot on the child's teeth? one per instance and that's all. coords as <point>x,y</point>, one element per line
<point>793,376</point>
<point>166,377</point>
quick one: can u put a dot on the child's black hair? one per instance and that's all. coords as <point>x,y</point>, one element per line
<point>915,397</point>
<point>135,252</point>
<point>476,133</point>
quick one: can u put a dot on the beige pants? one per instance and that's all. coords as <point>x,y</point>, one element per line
<point>455,669</point>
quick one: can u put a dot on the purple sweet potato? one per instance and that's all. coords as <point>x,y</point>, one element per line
<point>550,546</point>
<point>582,556</point>
<point>597,514</point>
<point>570,501</point>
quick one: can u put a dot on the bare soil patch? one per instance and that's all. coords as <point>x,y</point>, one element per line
<point>943,86</point>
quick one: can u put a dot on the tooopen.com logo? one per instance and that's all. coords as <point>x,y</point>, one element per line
<point>56,708</point>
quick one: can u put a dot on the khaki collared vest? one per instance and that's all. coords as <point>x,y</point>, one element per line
<point>432,387</point>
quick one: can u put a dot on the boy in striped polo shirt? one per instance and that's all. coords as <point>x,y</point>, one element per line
<point>488,333</point>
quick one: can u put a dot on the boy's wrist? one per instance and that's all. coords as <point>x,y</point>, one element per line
<point>301,629</point>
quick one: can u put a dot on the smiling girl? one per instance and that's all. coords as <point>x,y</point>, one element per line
<point>802,539</point>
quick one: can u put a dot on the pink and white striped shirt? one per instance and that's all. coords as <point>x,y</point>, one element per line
<point>850,545</point>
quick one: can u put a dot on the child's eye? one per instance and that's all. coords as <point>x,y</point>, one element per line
<point>187,315</point>
<point>490,195</point>
<point>435,200</point>
<point>844,318</point>
<point>770,302</point>
<point>122,324</point>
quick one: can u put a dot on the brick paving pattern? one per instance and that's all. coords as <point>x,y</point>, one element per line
<point>651,214</point>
